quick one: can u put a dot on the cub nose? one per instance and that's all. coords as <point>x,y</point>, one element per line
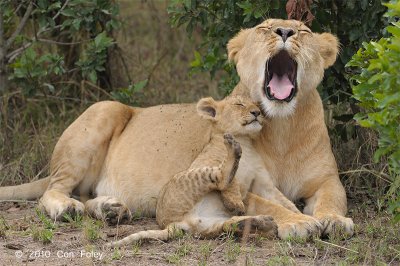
<point>284,33</point>
<point>256,113</point>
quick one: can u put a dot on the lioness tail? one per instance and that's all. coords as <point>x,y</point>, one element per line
<point>26,191</point>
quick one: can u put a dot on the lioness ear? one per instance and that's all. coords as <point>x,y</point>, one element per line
<point>236,44</point>
<point>207,108</point>
<point>328,48</point>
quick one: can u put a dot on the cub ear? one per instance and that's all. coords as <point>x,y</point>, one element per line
<point>328,48</point>
<point>207,108</point>
<point>236,44</point>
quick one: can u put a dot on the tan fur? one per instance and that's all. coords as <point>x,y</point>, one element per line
<point>187,188</point>
<point>241,118</point>
<point>129,154</point>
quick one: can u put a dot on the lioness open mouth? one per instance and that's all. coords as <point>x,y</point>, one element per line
<point>280,77</point>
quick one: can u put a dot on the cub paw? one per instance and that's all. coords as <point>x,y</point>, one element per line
<point>299,225</point>
<point>232,145</point>
<point>228,139</point>
<point>261,224</point>
<point>235,207</point>
<point>333,223</point>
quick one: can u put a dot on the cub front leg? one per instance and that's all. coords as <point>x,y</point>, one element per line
<point>232,198</point>
<point>230,192</point>
<point>230,166</point>
<point>329,206</point>
<point>186,188</point>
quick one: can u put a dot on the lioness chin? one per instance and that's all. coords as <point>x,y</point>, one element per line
<point>125,155</point>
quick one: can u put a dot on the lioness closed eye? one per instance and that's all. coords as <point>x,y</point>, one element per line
<point>178,201</point>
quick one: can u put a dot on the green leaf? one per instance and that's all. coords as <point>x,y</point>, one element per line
<point>366,123</point>
<point>68,12</point>
<point>49,86</point>
<point>76,23</point>
<point>93,76</point>
<point>374,78</point>
<point>394,30</point>
<point>197,62</point>
<point>102,41</point>
<point>140,85</point>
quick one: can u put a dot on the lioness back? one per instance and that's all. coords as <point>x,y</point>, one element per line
<point>149,153</point>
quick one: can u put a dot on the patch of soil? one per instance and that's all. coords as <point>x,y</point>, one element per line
<point>377,240</point>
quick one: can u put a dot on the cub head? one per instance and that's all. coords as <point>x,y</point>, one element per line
<point>234,114</point>
<point>280,62</point>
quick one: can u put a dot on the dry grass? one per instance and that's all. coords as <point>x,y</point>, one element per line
<point>155,51</point>
<point>22,229</point>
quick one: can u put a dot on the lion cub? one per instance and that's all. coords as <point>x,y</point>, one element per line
<point>214,170</point>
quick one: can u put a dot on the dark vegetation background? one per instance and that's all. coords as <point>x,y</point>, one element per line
<point>58,57</point>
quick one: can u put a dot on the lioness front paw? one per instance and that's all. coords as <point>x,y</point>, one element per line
<point>336,223</point>
<point>299,225</point>
<point>59,208</point>
<point>116,213</point>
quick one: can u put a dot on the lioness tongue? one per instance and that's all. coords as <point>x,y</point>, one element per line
<point>280,86</point>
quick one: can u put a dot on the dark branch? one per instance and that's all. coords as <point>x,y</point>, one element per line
<point>61,9</point>
<point>12,55</point>
<point>3,74</point>
<point>20,26</point>
<point>1,32</point>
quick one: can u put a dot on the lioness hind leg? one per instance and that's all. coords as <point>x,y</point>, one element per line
<point>79,155</point>
<point>109,209</point>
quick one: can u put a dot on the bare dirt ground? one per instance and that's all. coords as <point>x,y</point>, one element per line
<point>30,238</point>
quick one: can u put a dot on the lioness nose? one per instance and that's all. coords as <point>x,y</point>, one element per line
<point>256,113</point>
<point>284,33</point>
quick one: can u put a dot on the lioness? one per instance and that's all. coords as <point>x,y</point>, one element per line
<point>186,203</point>
<point>125,155</point>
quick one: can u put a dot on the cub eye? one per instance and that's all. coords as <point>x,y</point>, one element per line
<point>239,104</point>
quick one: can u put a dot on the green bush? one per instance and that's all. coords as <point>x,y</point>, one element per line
<point>219,21</point>
<point>47,46</point>
<point>377,88</point>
